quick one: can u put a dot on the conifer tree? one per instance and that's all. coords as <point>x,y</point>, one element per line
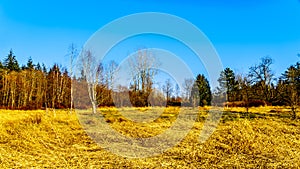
<point>11,62</point>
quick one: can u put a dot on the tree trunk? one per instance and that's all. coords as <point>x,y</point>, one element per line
<point>294,111</point>
<point>94,107</point>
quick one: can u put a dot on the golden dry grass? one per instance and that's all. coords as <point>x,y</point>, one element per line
<point>56,140</point>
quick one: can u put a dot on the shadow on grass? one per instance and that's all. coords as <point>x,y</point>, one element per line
<point>228,115</point>
<point>235,115</point>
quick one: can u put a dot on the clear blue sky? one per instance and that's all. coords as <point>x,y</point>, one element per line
<point>241,31</point>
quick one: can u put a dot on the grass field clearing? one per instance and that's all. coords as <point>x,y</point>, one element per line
<point>57,140</point>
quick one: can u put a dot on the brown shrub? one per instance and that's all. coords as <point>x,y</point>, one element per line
<point>251,103</point>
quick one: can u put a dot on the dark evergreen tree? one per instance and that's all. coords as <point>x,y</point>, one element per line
<point>228,84</point>
<point>1,65</point>
<point>201,93</point>
<point>292,82</point>
<point>38,67</point>
<point>44,69</point>
<point>30,64</point>
<point>11,62</point>
<point>23,67</point>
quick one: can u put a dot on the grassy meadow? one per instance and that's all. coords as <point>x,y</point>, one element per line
<point>266,137</point>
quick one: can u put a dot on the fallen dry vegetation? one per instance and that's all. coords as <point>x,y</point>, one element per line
<point>57,140</point>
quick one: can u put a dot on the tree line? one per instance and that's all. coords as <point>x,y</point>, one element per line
<point>33,86</point>
<point>260,87</point>
<point>96,83</point>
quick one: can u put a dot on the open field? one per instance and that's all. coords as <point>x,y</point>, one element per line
<point>264,138</point>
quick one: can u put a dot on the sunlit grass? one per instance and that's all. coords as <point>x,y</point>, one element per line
<point>57,140</point>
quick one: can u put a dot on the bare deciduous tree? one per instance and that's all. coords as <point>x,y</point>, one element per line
<point>109,74</point>
<point>262,76</point>
<point>244,87</point>
<point>168,89</point>
<point>72,53</point>
<point>187,86</point>
<point>142,73</point>
<point>177,92</point>
<point>91,71</point>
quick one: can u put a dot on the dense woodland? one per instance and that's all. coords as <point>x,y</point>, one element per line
<point>34,86</point>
